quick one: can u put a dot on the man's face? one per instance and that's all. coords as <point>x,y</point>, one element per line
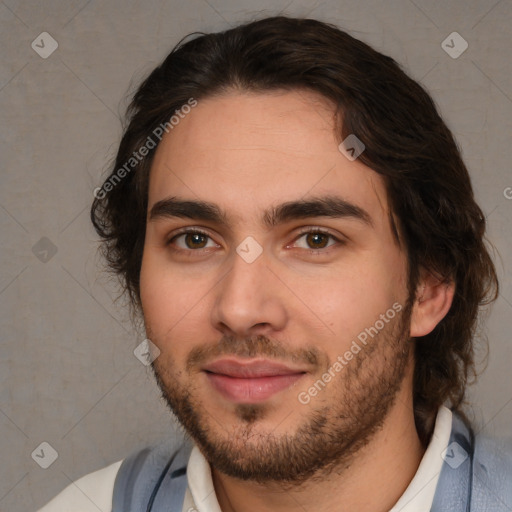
<point>248,328</point>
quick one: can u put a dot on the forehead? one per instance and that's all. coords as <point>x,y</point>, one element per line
<point>246,151</point>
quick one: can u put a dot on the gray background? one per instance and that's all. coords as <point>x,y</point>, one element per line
<point>67,370</point>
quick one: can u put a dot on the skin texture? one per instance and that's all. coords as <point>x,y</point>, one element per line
<point>302,302</point>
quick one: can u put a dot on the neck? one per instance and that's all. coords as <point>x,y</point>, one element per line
<point>372,481</point>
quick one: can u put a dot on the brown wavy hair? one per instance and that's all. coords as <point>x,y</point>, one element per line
<point>440,226</point>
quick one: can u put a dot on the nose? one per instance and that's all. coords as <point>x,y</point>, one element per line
<point>249,299</point>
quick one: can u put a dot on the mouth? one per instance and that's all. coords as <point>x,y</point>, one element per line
<point>250,381</point>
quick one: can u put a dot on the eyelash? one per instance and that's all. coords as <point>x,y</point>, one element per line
<point>305,231</point>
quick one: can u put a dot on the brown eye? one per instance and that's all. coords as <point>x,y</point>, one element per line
<point>191,240</point>
<point>317,240</point>
<point>195,240</point>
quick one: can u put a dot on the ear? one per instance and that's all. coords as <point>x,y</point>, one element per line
<point>433,301</point>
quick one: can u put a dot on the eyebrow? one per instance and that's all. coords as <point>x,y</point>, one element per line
<point>325,206</point>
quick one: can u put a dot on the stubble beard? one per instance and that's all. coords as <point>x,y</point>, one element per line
<point>327,438</point>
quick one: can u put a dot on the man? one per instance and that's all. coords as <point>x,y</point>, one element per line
<point>294,221</point>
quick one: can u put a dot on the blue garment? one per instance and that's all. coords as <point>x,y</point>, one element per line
<point>476,476</point>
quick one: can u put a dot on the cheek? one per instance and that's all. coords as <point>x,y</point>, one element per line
<point>154,292</point>
<point>173,304</point>
<point>158,293</point>
<point>354,295</point>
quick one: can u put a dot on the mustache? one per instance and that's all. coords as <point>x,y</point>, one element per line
<point>251,347</point>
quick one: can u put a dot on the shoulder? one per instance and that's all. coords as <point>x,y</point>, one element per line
<point>492,472</point>
<point>95,491</point>
<point>494,452</point>
<point>90,493</point>
<point>138,481</point>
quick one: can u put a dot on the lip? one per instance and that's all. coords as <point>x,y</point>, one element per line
<point>250,381</point>
<point>250,369</point>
